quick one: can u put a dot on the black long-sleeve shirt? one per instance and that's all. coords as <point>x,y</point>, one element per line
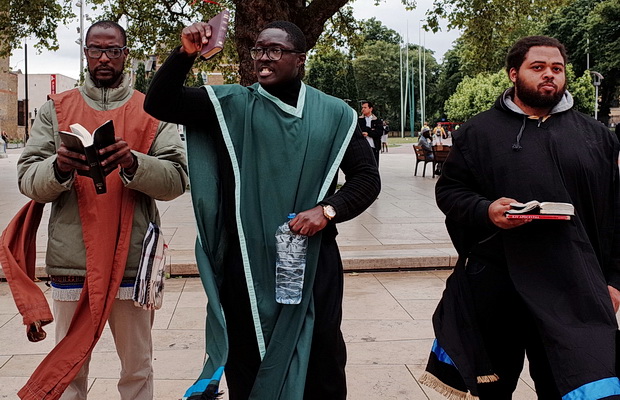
<point>168,100</point>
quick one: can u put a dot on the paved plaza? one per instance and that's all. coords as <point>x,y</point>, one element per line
<point>396,254</point>
<point>402,229</point>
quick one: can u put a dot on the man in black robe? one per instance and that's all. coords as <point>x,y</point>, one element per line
<point>547,289</point>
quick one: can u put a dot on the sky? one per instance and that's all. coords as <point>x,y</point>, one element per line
<point>391,13</point>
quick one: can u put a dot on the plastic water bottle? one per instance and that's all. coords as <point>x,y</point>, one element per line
<point>290,264</point>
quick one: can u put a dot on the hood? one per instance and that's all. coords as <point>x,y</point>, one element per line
<point>504,102</point>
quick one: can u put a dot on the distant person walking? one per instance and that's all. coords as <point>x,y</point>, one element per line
<point>5,139</point>
<point>371,127</point>
<point>440,133</point>
<point>384,137</point>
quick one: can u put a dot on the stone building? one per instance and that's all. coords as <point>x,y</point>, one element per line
<point>39,87</point>
<point>8,100</point>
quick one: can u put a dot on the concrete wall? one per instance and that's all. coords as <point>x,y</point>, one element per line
<point>40,86</point>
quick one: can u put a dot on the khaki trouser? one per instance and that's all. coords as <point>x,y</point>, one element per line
<point>131,328</point>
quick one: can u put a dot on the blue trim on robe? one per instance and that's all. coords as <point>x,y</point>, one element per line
<point>201,385</point>
<point>441,354</point>
<point>595,390</point>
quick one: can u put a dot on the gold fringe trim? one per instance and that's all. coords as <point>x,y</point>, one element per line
<point>450,393</point>
<point>487,378</point>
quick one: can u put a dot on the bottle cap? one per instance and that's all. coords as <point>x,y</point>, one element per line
<point>291,215</point>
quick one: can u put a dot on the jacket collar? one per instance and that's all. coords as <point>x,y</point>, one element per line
<point>372,117</point>
<point>106,95</point>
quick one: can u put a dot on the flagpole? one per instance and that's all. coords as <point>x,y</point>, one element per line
<point>402,109</point>
<point>412,108</point>
<point>424,77</point>
<point>421,100</point>
<point>406,80</point>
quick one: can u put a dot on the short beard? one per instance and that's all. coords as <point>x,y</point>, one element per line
<point>533,98</point>
<point>105,83</point>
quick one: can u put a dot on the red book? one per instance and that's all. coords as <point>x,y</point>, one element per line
<point>219,27</point>
<point>538,216</point>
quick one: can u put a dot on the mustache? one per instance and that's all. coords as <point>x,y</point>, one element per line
<point>102,68</point>
<point>548,82</point>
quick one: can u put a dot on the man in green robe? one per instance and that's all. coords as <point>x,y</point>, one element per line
<point>257,154</point>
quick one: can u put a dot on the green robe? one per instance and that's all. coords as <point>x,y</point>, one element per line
<point>282,159</point>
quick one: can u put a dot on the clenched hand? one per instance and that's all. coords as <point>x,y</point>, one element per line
<point>309,222</point>
<point>195,36</point>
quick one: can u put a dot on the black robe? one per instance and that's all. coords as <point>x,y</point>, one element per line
<point>561,269</point>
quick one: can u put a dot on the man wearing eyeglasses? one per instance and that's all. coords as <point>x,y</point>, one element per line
<point>95,240</point>
<point>256,154</point>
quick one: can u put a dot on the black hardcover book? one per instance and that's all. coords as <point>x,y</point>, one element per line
<point>81,141</point>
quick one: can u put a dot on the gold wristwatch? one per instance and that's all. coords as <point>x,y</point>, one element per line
<point>328,211</point>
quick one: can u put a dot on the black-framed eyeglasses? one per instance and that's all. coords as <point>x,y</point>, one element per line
<point>111,53</point>
<point>273,53</point>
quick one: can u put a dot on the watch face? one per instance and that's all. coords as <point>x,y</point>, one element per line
<point>329,212</point>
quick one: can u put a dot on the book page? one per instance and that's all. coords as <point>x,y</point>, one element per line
<point>521,208</point>
<point>535,207</point>
<point>81,132</point>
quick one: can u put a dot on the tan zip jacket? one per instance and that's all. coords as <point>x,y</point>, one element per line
<point>161,175</point>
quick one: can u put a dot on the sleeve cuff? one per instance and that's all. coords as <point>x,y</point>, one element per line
<point>614,280</point>
<point>60,176</point>
<point>482,214</point>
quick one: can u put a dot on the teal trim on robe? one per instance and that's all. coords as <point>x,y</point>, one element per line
<point>283,160</point>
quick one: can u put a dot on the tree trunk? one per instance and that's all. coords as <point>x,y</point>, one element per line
<point>252,15</point>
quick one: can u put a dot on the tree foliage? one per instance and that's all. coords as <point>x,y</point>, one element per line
<point>153,26</point>
<point>194,78</point>
<point>141,84</point>
<point>342,31</point>
<point>331,71</point>
<point>38,19</point>
<point>449,76</point>
<point>374,31</point>
<point>377,73</point>
<point>581,89</point>
<point>489,27</point>
<point>569,24</point>
<point>605,33</point>
<point>590,30</point>
<point>476,94</point>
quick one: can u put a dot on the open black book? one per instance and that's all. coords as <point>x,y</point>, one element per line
<point>80,140</point>
<point>537,210</point>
